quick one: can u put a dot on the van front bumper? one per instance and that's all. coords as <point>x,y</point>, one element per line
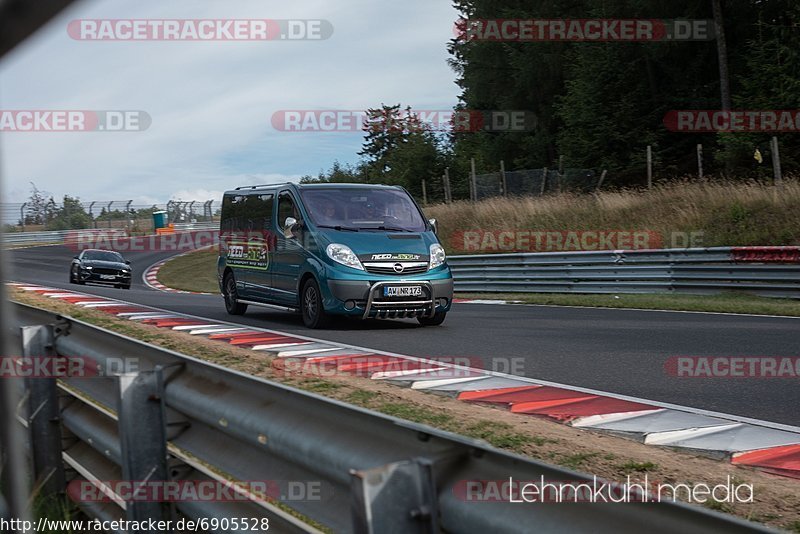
<point>364,298</point>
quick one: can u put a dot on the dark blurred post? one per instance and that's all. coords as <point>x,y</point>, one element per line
<point>649,167</point>
<point>18,19</point>
<point>473,183</point>
<point>503,185</point>
<point>722,55</point>
<point>700,161</point>
<point>776,162</point>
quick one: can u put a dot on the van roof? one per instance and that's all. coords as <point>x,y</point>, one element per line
<point>268,187</point>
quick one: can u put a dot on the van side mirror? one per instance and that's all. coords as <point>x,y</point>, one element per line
<point>434,225</point>
<point>288,225</point>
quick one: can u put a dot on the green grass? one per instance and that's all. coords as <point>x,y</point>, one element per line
<point>196,271</point>
<point>718,212</point>
<point>638,467</point>
<point>726,303</point>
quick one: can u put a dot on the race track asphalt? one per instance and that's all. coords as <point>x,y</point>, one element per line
<point>618,351</point>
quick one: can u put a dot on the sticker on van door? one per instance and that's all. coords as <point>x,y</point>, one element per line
<point>248,254</point>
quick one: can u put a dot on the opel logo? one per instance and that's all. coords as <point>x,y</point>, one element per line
<point>398,267</point>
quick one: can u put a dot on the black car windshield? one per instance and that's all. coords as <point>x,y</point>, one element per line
<point>102,255</point>
<point>365,209</point>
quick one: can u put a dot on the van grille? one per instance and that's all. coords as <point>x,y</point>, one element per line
<point>389,268</point>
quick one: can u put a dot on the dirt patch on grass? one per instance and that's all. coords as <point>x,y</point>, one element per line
<point>776,500</point>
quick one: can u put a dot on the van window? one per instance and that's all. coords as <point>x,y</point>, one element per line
<point>287,208</point>
<point>246,213</point>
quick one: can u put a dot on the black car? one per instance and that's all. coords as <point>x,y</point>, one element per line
<point>102,267</point>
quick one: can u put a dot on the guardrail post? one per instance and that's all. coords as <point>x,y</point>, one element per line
<point>142,433</point>
<point>44,416</point>
<point>398,497</point>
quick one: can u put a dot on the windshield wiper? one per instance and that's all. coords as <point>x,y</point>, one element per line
<point>338,228</point>
<point>387,228</point>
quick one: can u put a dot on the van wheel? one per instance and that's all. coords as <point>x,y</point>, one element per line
<point>232,304</point>
<point>313,311</point>
<point>436,320</point>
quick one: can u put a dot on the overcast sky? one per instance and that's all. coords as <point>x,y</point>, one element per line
<point>211,102</point>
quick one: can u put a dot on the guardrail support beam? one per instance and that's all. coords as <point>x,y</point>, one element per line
<point>142,433</point>
<point>44,418</point>
<point>395,498</point>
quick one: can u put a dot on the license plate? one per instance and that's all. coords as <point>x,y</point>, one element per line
<point>107,277</point>
<point>402,291</point>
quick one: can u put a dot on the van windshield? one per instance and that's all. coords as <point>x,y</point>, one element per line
<point>363,209</point>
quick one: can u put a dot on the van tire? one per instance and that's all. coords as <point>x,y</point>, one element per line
<point>232,304</point>
<point>311,307</point>
<point>436,320</point>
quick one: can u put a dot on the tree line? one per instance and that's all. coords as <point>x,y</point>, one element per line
<point>598,105</point>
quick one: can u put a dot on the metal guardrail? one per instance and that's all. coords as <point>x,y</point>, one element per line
<point>764,271</point>
<point>62,236</point>
<point>55,236</point>
<point>178,418</point>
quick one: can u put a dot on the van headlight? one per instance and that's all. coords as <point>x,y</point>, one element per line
<point>437,256</point>
<point>342,254</point>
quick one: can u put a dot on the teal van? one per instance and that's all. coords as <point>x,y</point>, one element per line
<point>332,249</point>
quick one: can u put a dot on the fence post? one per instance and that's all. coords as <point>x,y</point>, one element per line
<point>424,194</point>
<point>700,160</point>
<point>108,212</point>
<point>649,167</point>
<point>448,194</point>
<point>601,180</point>
<point>142,432</point>
<point>473,190</point>
<point>776,162</point>
<point>503,184</point>
<point>544,181</point>
<point>560,171</point>
<point>91,215</point>
<point>22,215</point>
<point>44,417</point>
